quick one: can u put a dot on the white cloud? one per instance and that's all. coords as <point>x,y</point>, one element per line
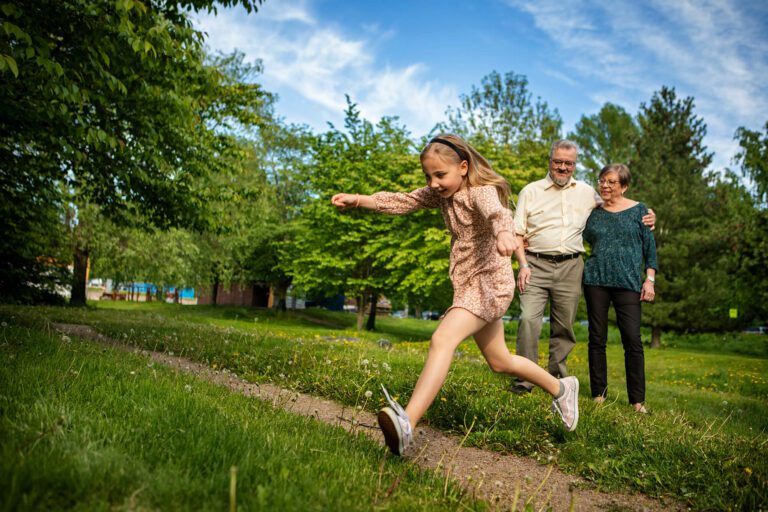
<point>321,65</point>
<point>714,51</point>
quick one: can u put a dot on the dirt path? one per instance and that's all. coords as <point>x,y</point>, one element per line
<point>487,475</point>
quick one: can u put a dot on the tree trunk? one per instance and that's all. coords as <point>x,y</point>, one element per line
<point>79,277</point>
<point>360,312</point>
<point>656,337</point>
<point>279,297</point>
<point>176,295</point>
<point>371,325</point>
<point>215,292</point>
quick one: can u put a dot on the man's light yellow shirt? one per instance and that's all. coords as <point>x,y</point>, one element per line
<point>552,218</point>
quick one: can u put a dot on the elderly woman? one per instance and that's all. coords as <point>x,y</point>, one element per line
<point>622,248</point>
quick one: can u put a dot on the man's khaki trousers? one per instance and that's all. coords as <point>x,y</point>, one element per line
<point>560,285</point>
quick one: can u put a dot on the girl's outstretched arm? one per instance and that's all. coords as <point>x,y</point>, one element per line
<point>344,201</point>
<point>391,203</point>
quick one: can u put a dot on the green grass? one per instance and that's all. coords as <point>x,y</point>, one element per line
<point>704,443</point>
<point>85,427</point>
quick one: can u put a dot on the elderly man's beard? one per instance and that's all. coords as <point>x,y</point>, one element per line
<point>560,182</point>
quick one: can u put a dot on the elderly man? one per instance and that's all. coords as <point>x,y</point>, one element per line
<point>550,218</point>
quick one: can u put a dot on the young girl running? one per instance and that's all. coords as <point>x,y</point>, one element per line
<point>473,199</point>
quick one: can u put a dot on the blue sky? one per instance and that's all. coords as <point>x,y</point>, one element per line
<point>412,59</point>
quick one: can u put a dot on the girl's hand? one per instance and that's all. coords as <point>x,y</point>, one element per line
<point>506,243</point>
<point>648,293</point>
<point>344,201</point>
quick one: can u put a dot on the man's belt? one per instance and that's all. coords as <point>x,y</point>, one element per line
<point>555,258</point>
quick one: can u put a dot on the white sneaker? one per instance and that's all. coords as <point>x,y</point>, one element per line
<point>395,426</point>
<point>567,406</point>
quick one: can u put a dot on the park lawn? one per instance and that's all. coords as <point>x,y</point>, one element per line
<point>87,427</point>
<point>704,442</point>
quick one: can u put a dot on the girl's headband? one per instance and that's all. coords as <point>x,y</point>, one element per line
<point>459,151</point>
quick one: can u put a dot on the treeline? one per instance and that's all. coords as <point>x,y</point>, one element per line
<point>127,146</point>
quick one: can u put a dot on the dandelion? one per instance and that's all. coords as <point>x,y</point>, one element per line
<point>364,362</point>
<point>5,324</point>
<point>368,394</point>
<point>386,367</point>
<point>188,388</point>
<point>133,373</point>
<point>748,471</point>
<point>327,361</point>
<point>65,338</point>
<point>290,362</point>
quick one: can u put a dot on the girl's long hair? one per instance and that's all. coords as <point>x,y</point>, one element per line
<point>479,171</point>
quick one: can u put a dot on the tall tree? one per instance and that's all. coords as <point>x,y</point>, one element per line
<point>753,157</point>
<point>111,103</point>
<point>753,222</point>
<point>357,251</point>
<point>502,111</point>
<point>603,138</point>
<point>670,175</point>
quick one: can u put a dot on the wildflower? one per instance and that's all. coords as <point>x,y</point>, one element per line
<point>5,324</point>
<point>386,367</point>
<point>748,471</point>
<point>368,394</point>
<point>327,361</point>
<point>65,338</point>
<point>188,388</point>
<point>364,362</point>
<point>133,373</point>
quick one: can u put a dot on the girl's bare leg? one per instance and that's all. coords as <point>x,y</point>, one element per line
<point>458,325</point>
<point>490,340</point>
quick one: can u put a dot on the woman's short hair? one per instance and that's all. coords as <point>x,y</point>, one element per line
<point>621,170</point>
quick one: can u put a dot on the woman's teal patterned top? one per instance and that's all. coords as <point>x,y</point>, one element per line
<point>621,243</point>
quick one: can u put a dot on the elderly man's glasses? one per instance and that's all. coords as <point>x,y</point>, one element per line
<point>568,164</point>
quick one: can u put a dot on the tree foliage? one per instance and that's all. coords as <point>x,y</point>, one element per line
<point>361,252</point>
<point>502,112</point>
<point>604,138</point>
<point>113,104</point>
<point>670,175</point>
<point>753,157</point>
